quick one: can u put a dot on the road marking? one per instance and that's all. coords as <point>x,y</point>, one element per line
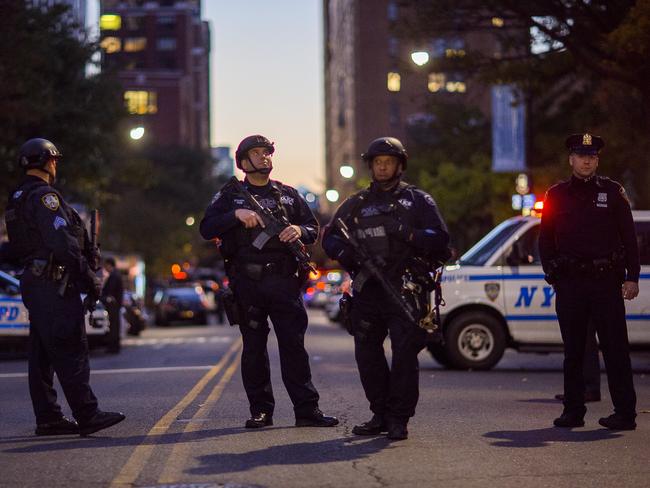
<point>176,460</point>
<point>136,463</point>
<point>163,341</point>
<point>125,370</point>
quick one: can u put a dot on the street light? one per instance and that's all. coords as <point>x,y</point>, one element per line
<point>420,57</point>
<point>189,221</point>
<point>346,171</point>
<point>137,133</point>
<point>332,196</point>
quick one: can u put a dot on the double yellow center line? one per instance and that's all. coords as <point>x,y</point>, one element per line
<point>138,460</point>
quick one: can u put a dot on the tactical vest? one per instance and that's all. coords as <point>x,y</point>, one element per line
<point>369,216</point>
<point>243,238</point>
<point>24,238</point>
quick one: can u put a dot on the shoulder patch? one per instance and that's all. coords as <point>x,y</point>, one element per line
<point>215,197</point>
<point>429,199</point>
<point>624,194</point>
<point>51,201</point>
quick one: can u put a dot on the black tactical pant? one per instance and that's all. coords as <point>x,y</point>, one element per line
<point>579,299</point>
<point>392,392</point>
<point>57,344</point>
<point>113,338</point>
<point>276,297</point>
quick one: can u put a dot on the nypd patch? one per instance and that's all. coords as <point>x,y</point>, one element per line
<point>215,197</point>
<point>17,194</point>
<point>429,200</point>
<point>51,201</point>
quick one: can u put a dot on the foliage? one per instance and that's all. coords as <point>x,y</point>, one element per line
<point>581,66</point>
<point>44,92</point>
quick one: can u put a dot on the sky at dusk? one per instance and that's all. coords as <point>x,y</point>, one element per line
<point>266,68</point>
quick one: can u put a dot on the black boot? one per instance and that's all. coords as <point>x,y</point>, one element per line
<point>316,418</point>
<point>258,421</point>
<point>63,426</point>
<point>618,422</point>
<point>569,420</point>
<point>397,431</point>
<point>376,425</point>
<point>99,421</point>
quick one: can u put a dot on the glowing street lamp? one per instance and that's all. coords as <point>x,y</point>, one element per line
<point>137,133</point>
<point>189,221</point>
<point>420,57</point>
<point>346,171</point>
<point>332,196</point>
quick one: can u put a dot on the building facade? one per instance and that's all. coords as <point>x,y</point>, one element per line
<point>377,83</point>
<point>160,52</point>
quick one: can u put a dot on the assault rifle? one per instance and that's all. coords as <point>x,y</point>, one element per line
<point>93,257</point>
<point>372,267</point>
<point>273,225</point>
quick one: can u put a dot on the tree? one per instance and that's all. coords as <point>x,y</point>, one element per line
<point>155,191</point>
<point>44,92</point>
<point>580,65</point>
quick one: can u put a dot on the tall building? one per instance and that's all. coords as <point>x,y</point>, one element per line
<point>378,84</point>
<point>160,51</point>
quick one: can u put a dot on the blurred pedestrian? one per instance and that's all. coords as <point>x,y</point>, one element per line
<point>49,238</point>
<point>111,297</point>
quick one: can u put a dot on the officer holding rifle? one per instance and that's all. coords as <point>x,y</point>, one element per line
<point>263,226</point>
<point>49,238</point>
<point>391,238</point>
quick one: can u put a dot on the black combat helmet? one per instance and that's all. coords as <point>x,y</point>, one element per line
<point>249,143</point>
<point>36,152</point>
<point>385,146</point>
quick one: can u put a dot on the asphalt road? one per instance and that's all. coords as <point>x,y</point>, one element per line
<point>181,391</point>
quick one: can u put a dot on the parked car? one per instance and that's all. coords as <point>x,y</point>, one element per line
<point>317,293</point>
<point>14,317</point>
<point>181,303</point>
<point>496,297</point>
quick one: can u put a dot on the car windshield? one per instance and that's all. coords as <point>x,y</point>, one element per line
<point>182,293</point>
<point>486,247</point>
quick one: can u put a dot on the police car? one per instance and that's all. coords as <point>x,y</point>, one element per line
<point>14,318</point>
<point>496,297</point>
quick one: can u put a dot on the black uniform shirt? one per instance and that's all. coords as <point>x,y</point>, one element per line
<point>588,219</point>
<point>220,222</point>
<point>58,227</point>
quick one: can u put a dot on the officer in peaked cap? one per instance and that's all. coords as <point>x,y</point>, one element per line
<point>590,255</point>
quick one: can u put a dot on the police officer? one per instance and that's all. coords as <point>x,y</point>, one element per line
<point>48,236</point>
<point>397,222</point>
<point>266,283</point>
<point>111,297</point>
<point>589,253</point>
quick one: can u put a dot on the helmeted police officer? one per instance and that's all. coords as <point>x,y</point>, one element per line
<point>590,255</point>
<point>266,283</point>
<point>398,223</point>
<point>49,238</point>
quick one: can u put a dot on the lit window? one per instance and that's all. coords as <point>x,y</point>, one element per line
<point>454,53</point>
<point>497,22</point>
<point>456,87</point>
<point>394,82</point>
<point>110,22</point>
<point>134,44</point>
<point>111,45</point>
<point>436,82</point>
<point>141,102</point>
<point>166,44</point>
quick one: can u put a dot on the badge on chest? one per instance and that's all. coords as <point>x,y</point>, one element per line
<point>601,201</point>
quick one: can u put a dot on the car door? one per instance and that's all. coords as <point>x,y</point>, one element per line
<point>14,319</point>
<point>637,311</point>
<point>529,300</point>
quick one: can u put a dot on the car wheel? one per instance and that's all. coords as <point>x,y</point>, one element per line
<point>475,340</point>
<point>439,353</point>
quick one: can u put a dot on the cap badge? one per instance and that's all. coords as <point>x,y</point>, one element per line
<point>586,140</point>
